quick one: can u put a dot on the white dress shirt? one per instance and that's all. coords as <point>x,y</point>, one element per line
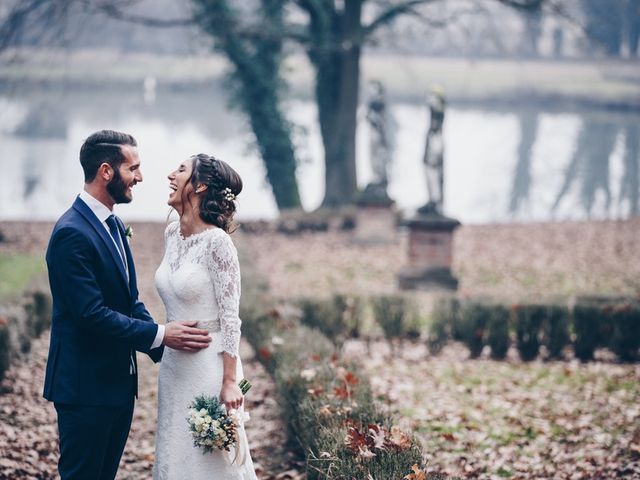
<point>102,212</point>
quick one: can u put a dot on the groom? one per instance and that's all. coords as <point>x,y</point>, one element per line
<point>98,322</point>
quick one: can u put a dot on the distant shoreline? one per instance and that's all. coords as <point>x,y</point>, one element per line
<point>609,85</point>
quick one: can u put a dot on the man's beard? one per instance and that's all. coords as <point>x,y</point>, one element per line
<point>117,188</point>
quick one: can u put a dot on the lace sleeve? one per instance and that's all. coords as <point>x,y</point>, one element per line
<point>225,274</point>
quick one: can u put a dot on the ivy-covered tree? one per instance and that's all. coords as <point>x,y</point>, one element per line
<point>333,34</point>
<point>257,84</point>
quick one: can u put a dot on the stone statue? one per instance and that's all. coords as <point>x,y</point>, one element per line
<point>380,144</point>
<point>434,154</point>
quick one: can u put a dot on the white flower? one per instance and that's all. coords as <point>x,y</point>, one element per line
<point>308,374</point>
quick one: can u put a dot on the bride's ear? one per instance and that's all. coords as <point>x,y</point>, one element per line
<point>201,188</point>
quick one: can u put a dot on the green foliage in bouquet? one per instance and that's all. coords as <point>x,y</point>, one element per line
<point>210,425</point>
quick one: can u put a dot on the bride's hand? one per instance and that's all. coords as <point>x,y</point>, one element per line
<point>231,395</point>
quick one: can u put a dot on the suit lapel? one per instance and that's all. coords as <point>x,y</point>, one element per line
<point>90,217</point>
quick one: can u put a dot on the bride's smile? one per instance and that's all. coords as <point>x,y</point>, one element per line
<point>180,185</point>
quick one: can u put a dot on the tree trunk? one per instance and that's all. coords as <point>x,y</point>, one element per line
<point>631,181</point>
<point>336,57</point>
<point>633,17</point>
<point>340,140</point>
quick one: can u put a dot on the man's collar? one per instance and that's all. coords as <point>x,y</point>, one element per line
<point>99,209</point>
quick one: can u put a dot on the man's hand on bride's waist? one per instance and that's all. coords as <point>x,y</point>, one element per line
<point>185,337</point>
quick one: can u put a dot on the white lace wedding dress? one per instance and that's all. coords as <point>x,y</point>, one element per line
<point>198,279</point>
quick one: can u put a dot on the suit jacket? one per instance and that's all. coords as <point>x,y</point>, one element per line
<point>98,322</point>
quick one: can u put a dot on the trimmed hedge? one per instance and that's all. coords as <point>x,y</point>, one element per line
<point>442,326</point>
<point>586,323</point>
<point>556,331</point>
<point>20,322</point>
<point>395,314</point>
<point>529,320</point>
<point>338,317</point>
<point>474,319</point>
<point>498,332</point>
<point>331,417</point>
<point>625,339</point>
<point>590,324</point>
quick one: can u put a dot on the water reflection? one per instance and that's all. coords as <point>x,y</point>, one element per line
<point>42,128</point>
<point>630,190</point>
<point>589,165</point>
<point>522,164</point>
<point>528,120</point>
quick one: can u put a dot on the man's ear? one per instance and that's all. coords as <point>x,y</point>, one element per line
<point>105,171</point>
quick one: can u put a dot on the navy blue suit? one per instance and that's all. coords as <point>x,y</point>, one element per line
<point>98,324</point>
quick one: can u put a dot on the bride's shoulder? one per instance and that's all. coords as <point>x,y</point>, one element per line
<point>171,229</point>
<point>221,239</point>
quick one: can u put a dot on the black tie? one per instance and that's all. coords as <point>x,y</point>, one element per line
<point>115,234</point>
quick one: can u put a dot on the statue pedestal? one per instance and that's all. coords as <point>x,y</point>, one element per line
<point>430,253</point>
<point>375,217</point>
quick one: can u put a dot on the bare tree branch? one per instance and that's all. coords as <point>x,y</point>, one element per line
<point>523,5</point>
<point>391,13</point>
<point>114,11</point>
<point>13,25</point>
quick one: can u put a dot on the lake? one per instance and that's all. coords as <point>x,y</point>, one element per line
<point>502,165</point>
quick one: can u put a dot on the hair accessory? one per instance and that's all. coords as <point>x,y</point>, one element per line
<point>228,194</point>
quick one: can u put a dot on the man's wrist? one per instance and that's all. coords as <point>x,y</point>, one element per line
<point>157,342</point>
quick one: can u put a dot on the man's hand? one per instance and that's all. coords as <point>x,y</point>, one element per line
<point>183,336</point>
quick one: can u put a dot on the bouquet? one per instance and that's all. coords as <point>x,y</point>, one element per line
<point>211,426</point>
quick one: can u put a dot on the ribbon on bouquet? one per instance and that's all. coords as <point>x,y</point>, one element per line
<point>238,455</point>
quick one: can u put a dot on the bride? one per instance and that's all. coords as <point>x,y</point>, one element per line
<point>199,279</point>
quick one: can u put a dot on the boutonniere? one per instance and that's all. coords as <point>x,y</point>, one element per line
<point>129,232</point>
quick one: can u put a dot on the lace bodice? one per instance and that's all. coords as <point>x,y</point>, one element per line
<point>199,279</point>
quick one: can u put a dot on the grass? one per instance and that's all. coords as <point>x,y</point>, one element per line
<point>16,272</point>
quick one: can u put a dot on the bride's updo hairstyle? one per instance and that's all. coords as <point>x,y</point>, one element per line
<point>217,205</point>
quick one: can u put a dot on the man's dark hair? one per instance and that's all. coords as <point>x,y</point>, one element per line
<point>103,147</point>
